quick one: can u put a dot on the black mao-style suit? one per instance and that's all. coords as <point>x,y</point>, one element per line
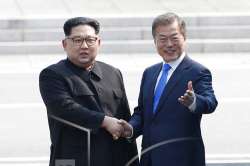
<point>84,98</point>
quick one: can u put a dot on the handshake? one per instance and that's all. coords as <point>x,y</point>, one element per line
<point>117,128</point>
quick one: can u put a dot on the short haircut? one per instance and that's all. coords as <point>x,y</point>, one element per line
<point>167,19</point>
<point>73,22</point>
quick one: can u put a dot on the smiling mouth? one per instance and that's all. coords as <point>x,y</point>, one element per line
<point>169,51</point>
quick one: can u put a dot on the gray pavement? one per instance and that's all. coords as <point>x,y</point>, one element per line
<point>24,131</point>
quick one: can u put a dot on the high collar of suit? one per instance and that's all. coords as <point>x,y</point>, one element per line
<point>94,73</point>
<point>96,70</point>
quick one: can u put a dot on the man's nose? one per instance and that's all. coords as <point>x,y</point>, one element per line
<point>169,42</point>
<point>84,44</point>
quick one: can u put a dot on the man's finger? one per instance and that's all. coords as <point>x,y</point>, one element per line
<point>190,86</point>
<point>181,99</point>
<point>189,92</point>
<point>186,95</point>
<point>115,137</point>
<point>121,121</point>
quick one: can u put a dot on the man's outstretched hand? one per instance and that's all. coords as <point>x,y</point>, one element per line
<point>188,98</point>
<point>127,129</point>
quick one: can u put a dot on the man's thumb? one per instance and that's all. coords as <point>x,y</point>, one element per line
<point>190,86</point>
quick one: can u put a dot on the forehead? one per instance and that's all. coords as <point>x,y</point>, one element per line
<point>167,30</point>
<point>82,30</point>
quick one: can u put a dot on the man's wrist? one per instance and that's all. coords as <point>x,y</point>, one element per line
<point>104,122</point>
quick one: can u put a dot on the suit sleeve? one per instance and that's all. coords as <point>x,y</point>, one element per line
<point>126,115</point>
<point>60,103</point>
<point>205,99</point>
<point>137,117</point>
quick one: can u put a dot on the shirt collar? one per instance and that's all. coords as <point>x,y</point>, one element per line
<point>174,64</point>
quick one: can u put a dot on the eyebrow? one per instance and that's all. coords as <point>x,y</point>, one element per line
<point>174,34</point>
<point>80,36</point>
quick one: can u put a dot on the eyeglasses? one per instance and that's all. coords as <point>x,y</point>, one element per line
<point>164,39</point>
<point>78,40</point>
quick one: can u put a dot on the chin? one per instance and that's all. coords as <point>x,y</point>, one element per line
<point>170,58</point>
<point>84,60</point>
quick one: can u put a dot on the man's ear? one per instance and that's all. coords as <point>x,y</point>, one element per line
<point>155,41</point>
<point>154,38</point>
<point>99,41</point>
<point>64,43</point>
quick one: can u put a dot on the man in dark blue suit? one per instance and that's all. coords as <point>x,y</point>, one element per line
<point>173,96</point>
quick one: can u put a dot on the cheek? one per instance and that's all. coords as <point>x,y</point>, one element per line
<point>160,49</point>
<point>94,51</point>
<point>72,52</point>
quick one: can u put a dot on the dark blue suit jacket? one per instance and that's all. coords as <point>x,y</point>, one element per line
<point>172,119</point>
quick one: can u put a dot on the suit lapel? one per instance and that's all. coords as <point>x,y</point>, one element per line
<point>173,81</point>
<point>153,77</point>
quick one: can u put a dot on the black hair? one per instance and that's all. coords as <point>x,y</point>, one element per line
<point>73,22</point>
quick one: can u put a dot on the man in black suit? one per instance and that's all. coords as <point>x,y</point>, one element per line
<point>88,93</point>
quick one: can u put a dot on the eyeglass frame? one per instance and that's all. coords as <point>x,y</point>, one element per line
<point>82,40</point>
<point>162,39</point>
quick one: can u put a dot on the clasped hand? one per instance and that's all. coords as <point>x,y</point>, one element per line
<point>117,128</point>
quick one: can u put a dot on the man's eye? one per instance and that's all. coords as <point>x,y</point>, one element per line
<point>77,40</point>
<point>163,39</point>
<point>91,40</point>
<point>176,39</point>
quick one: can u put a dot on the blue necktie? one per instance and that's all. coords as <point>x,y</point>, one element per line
<point>160,87</point>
